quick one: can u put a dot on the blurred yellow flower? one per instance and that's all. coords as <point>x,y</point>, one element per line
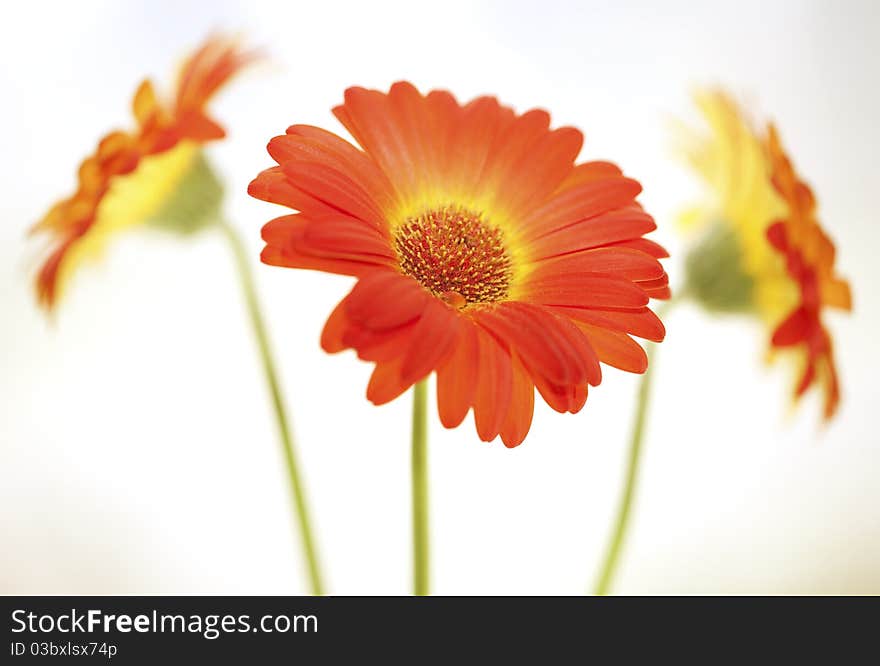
<point>757,245</point>
<point>155,173</point>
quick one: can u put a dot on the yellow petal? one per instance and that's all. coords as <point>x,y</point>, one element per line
<point>131,201</point>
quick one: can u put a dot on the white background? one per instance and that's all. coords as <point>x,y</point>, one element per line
<point>137,450</point>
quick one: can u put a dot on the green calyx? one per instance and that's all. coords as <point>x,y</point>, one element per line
<point>714,274</point>
<point>195,202</point>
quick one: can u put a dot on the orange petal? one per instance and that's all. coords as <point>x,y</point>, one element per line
<point>144,104</point>
<point>457,378</point>
<point>563,399</point>
<point>494,386</point>
<point>644,245</point>
<point>481,122</point>
<point>544,340</point>
<point>585,290</point>
<point>334,189</point>
<point>410,115</point>
<point>347,237</point>
<point>347,159</point>
<point>273,186</point>
<point>385,382</point>
<point>582,202</point>
<point>286,247</point>
<point>334,329</point>
<point>432,340</point>
<point>511,144</point>
<point>196,125</point>
<point>642,323</point>
<point>386,299</point>
<point>616,349</point>
<point>522,405</point>
<point>367,115</point>
<point>207,70</point>
<point>589,171</point>
<point>793,330</point>
<point>610,228</point>
<point>311,145</point>
<point>380,346</point>
<point>540,169</point>
<point>342,245</point>
<point>623,262</point>
<point>836,294</point>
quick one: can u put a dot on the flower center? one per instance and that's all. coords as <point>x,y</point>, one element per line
<point>456,255</point>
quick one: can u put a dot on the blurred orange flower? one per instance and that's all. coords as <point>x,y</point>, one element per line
<point>482,252</point>
<point>763,250</point>
<point>132,176</point>
<point>809,260</point>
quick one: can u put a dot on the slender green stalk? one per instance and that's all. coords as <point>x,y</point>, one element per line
<point>612,554</point>
<point>296,489</point>
<point>420,489</point>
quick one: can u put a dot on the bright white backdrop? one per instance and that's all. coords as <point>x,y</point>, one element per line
<point>137,451</point>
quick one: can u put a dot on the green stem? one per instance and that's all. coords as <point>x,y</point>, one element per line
<point>420,489</point>
<point>615,546</point>
<point>296,489</point>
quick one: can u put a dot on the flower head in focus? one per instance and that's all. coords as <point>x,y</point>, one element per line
<point>155,173</point>
<point>482,251</point>
<point>759,247</point>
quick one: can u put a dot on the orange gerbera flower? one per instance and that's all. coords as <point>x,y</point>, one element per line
<point>763,250</point>
<point>482,252</point>
<point>809,261</point>
<point>133,175</point>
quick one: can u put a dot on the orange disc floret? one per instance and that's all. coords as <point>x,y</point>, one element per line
<point>809,260</point>
<point>160,129</point>
<point>484,253</point>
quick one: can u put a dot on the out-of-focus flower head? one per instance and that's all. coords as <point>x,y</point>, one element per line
<point>482,251</point>
<point>757,245</point>
<point>156,173</point>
